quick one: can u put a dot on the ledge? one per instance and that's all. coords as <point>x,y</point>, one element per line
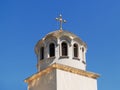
<point>47,59</point>
<point>64,68</point>
<point>53,57</point>
<point>76,58</point>
<point>63,57</point>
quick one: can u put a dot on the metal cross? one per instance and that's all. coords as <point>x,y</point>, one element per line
<point>60,19</point>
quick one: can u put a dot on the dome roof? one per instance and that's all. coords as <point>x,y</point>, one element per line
<point>58,34</point>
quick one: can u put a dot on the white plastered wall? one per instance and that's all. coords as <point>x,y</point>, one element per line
<point>62,80</point>
<point>71,81</point>
<point>45,82</point>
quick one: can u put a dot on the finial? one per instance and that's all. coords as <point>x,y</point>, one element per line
<point>60,19</point>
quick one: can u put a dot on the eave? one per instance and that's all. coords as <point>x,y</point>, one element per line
<point>64,68</point>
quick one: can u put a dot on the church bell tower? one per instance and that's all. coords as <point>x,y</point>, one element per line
<point>61,63</point>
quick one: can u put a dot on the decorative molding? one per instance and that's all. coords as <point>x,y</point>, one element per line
<point>61,57</point>
<point>76,58</point>
<point>64,68</point>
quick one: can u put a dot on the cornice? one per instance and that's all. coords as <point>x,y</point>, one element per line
<point>64,68</point>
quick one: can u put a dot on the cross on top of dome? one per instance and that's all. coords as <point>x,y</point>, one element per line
<point>61,20</point>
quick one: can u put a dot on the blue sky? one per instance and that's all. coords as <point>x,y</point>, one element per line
<point>24,22</point>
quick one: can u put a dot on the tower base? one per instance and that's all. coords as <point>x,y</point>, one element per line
<point>61,77</point>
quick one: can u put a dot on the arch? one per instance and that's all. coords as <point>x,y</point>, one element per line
<point>39,44</point>
<point>64,49</point>
<point>78,40</point>
<point>51,40</point>
<point>52,49</point>
<point>41,53</point>
<point>75,48</point>
<point>66,39</point>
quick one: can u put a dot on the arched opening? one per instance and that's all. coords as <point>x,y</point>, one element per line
<point>64,49</point>
<point>41,53</point>
<point>52,49</point>
<point>75,48</point>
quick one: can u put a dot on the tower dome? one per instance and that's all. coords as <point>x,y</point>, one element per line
<point>61,47</point>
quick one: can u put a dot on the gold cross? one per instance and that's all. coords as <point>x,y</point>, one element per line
<point>60,19</point>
